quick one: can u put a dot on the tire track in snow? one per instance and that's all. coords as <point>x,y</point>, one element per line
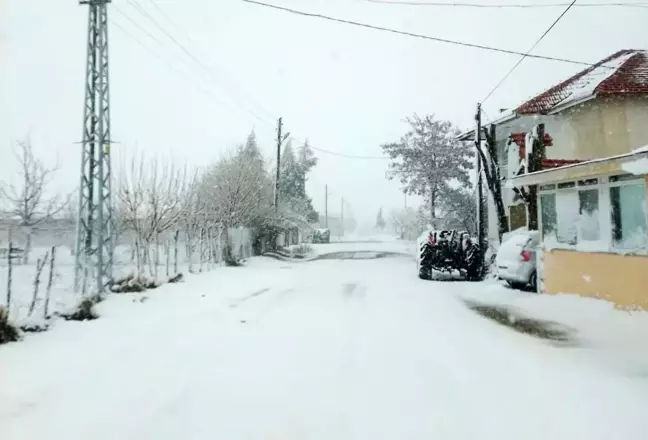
<point>257,311</point>
<point>240,301</point>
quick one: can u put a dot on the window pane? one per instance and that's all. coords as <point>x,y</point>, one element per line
<point>567,216</point>
<point>628,216</point>
<point>588,208</point>
<point>548,213</point>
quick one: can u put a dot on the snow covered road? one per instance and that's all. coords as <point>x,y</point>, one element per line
<point>353,349</point>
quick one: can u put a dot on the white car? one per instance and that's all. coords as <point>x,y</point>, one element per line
<point>516,260</point>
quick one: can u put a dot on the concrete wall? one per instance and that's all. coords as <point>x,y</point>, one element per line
<point>621,279</point>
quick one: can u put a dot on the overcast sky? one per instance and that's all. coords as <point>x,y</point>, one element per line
<point>345,88</point>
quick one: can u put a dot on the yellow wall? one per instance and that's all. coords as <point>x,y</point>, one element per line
<point>604,126</point>
<point>621,279</point>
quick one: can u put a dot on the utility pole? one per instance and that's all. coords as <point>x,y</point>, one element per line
<point>94,242</point>
<point>535,164</point>
<point>280,140</point>
<point>326,206</point>
<point>480,195</point>
<point>342,218</point>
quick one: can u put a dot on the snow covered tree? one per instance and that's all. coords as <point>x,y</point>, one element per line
<point>380,220</point>
<point>150,201</point>
<point>307,161</point>
<point>292,182</point>
<point>491,170</point>
<point>459,209</point>
<point>406,223</point>
<point>28,201</point>
<point>237,193</point>
<point>428,158</point>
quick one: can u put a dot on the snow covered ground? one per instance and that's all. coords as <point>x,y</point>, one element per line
<point>327,349</point>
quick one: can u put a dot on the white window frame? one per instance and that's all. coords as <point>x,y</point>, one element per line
<point>603,185</point>
<point>638,179</point>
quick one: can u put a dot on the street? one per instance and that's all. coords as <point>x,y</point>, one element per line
<point>326,349</point>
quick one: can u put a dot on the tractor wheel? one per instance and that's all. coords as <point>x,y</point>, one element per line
<point>474,264</point>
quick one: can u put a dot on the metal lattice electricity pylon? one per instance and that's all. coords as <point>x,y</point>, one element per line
<point>94,243</point>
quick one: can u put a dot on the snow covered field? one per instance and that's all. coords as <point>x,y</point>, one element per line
<point>328,349</point>
<point>62,294</point>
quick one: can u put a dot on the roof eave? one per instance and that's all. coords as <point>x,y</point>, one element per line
<point>562,107</point>
<point>469,135</point>
<point>582,170</point>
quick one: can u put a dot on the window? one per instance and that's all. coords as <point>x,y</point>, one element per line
<point>629,230</point>
<point>571,211</point>
<point>588,221</point>
<point>567,214</point>
<point>600,214</point>
<point>502,157</point>
<point>548,214</point>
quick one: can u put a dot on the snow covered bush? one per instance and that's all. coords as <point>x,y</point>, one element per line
<point>301,251</point>
<point>8,331</point>
<point>84,311</point>
<point>133,284</point>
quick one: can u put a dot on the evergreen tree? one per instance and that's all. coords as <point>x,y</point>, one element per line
<point>307,161</point>
<point>380,220</point>
<point>292,182</point>
<point>251,153</point>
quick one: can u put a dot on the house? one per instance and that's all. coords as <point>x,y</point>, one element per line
<point>601,111</point>
<point>593,218</point>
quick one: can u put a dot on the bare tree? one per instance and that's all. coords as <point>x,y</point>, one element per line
<point>491,170</point>
<point>28,201</point>
<point>151,197</point>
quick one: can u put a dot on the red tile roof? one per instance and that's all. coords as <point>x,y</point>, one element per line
<point>625,71</point>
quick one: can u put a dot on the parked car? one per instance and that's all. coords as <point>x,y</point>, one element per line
<point>449,251</point>
<point>322,236</point>
<point>516,260</point>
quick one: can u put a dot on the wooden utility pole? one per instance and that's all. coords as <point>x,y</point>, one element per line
<point>326,206</point>
<point>342,217</point>
<point>480,195</point>
<point>276,190</point>
<point>535,164</point>
<point>280,140</point>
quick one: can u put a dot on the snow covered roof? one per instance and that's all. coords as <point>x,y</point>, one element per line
<point>633,162</point>
<point>623,72</point>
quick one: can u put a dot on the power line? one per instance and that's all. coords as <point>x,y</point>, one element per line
<point>179,72</point>
<point>529,51</point>
<point>188,38</point>
<point>184,49</point>
<point>349,156</point>
<point>205,91</point>
<point>412,34</point>
<point>186,76</point>
<point>507,5</point>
